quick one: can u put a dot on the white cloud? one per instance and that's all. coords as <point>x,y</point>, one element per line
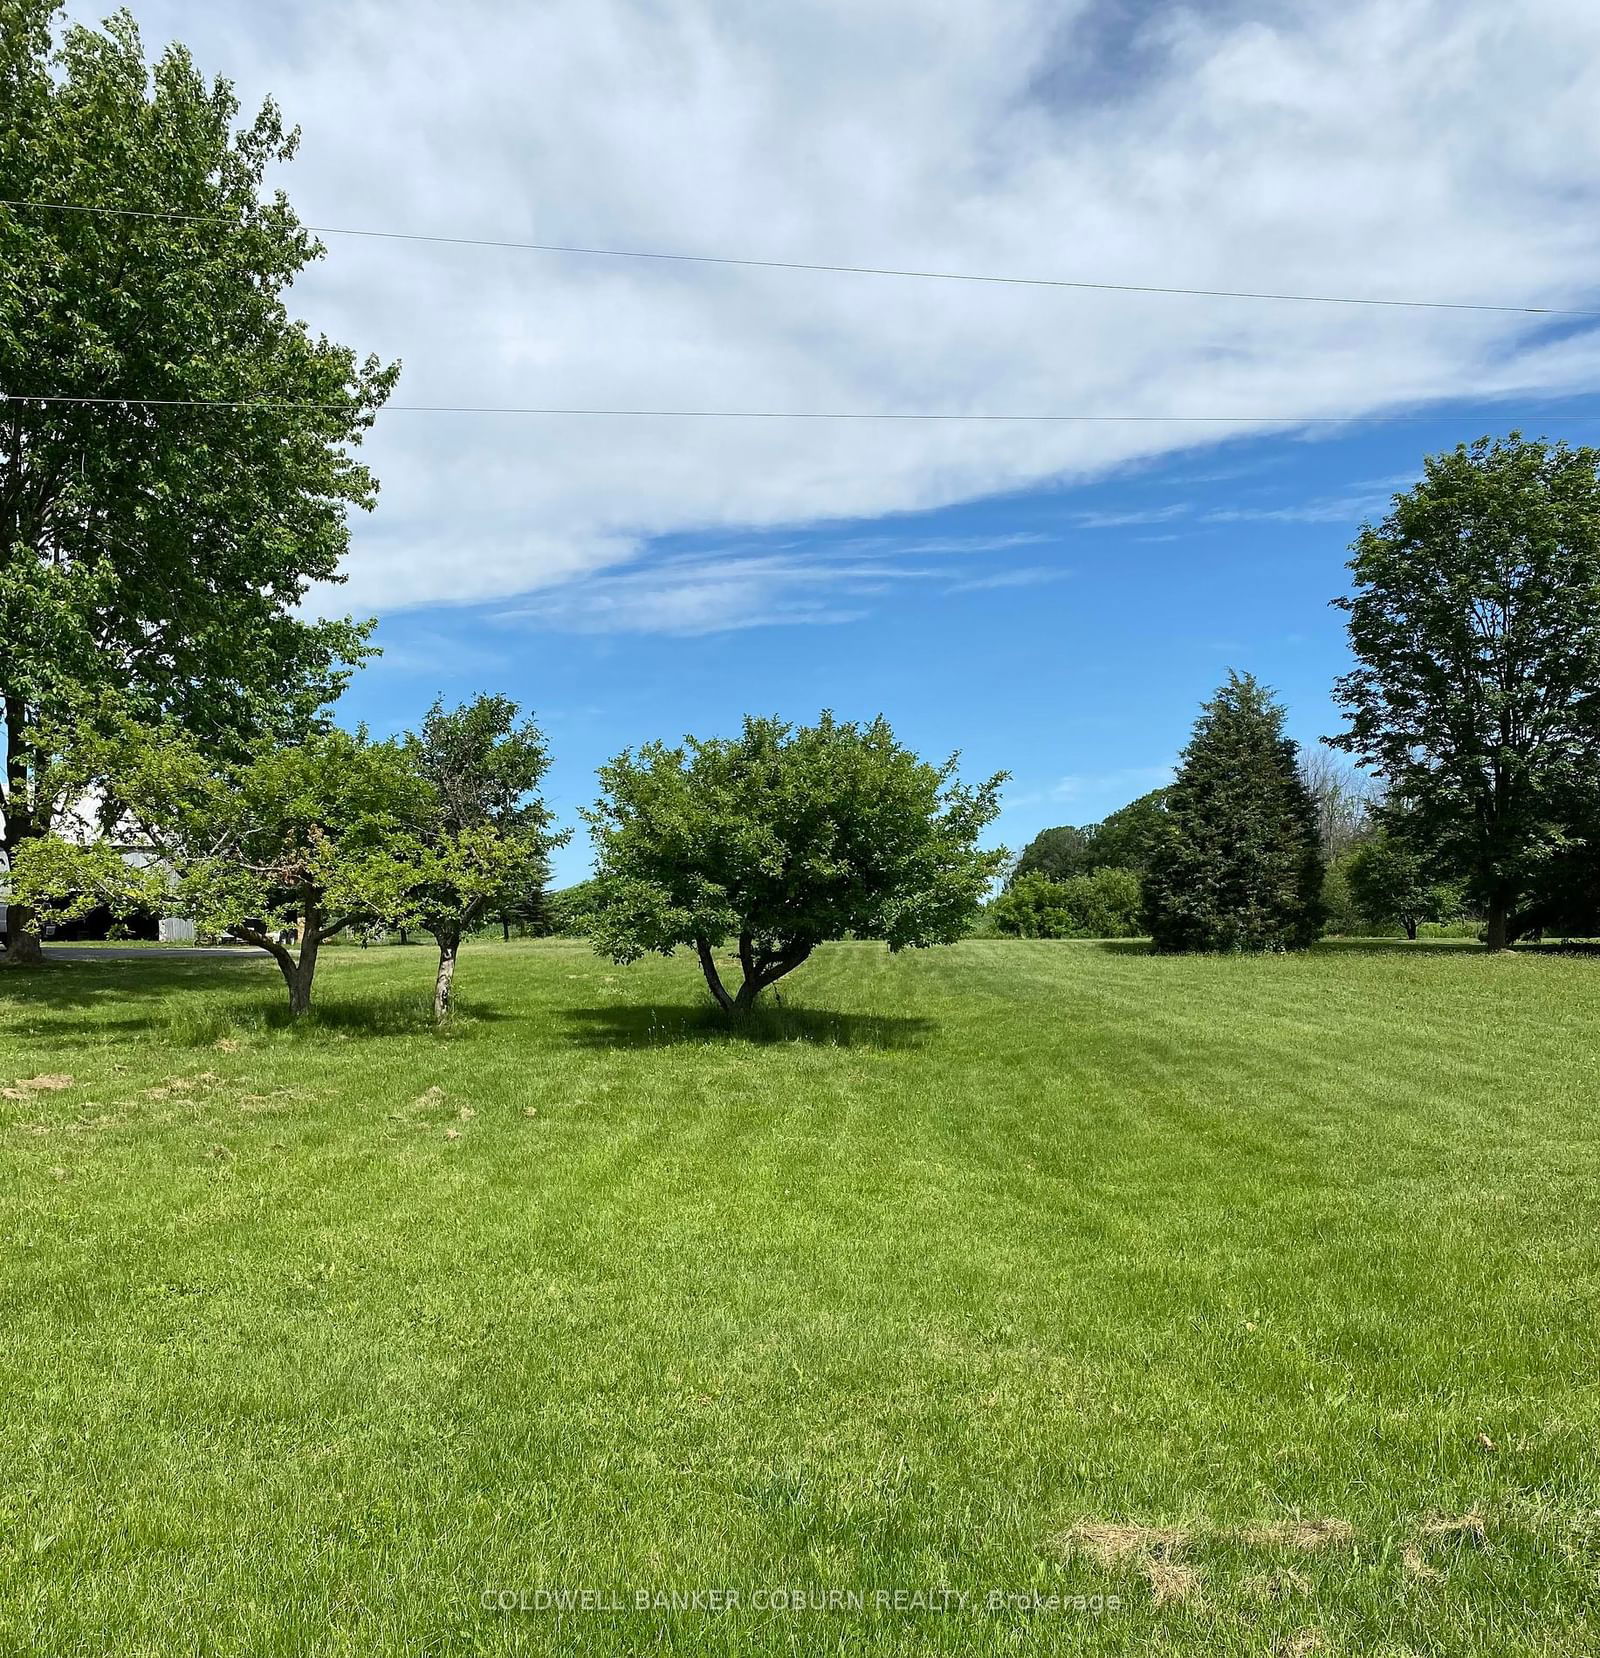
<point>1025,575</point>
<point>1131,517</point>
<point>821,581</point>
<point>1129,780</point>
<point>1437,148</point>
<point>1092,795</point>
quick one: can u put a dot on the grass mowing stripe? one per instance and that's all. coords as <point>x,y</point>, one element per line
<point>1016,1267</point>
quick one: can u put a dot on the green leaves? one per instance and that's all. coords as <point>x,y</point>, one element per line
<point>69,880</point>
<point>1475,620</point>
<point>308,836</point>
<point>786,837</point>
<point>1236,863</point>
<point>1122,841</point>
<point>1103,904</point>
<point>160,554</point>
<point>1391,881</point>
<point>484,837</point>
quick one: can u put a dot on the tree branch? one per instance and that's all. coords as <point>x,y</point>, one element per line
<point>278,952</point>
<point>708,966</point>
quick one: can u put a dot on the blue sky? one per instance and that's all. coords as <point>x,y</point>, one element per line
<point>1052,598</point>
<point>1063,634</point>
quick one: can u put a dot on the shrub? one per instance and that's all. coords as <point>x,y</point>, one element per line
<point>1392,885</point>
<point>1102,905</point>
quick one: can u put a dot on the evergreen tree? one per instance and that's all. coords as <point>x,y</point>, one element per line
<point>1237,864</point>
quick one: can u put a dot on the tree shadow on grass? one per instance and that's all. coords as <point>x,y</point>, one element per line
<point>631,1026</point>
<point>1395,946</point>
<point>197,1003</point>
<point>1323,947</point>
<point>204,1021</point>
<point>57,985</point>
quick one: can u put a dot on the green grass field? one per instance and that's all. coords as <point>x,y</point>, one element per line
<point>1258,1294</point>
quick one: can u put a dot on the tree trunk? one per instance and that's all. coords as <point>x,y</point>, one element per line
<point>708,966</point>
<point>505,928</point>
<point>304,971</point>
<point>449,944</point>
<point>1496,933</point>
<point>23,947</point>
<point>761,971</point>
<point>299,973</point>
<point>1411,929</point>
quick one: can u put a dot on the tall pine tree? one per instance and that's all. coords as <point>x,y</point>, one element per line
<point>1237,864</point>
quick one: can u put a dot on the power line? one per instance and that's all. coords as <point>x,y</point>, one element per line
<point>221,404</point>
<point>844,270</point>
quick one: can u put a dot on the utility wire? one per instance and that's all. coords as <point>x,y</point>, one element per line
<point>846,270</point>
<point>739,414</point>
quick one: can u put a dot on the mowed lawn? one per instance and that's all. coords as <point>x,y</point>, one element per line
<point>1261,1295</point>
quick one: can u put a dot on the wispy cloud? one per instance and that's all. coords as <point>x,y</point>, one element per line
<point>817,583</point>
<point>1134,516</point>
<point>1338,509</point>
<point>1130,781</point>
<point>971,545</point>
<point>1002,135</point>
<point>1035,575</point>
<point>695,595</point>
<point>1359,501</point>
<point>1089,796</point>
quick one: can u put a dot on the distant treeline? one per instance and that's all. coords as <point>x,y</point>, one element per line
<point>1473,721</point>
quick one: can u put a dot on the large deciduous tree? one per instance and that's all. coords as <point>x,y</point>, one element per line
<point>1390,881</point>
<point>1237,864</point>
<point>283,850</point>
<point>782,839</point>
<point>149,545</point>
<point>1475,621</point>
<point>1123,839</point>
<point>486,838</point>
<point>1343,799</point>
<point>1119,841</point>
<point>1056,854</point>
